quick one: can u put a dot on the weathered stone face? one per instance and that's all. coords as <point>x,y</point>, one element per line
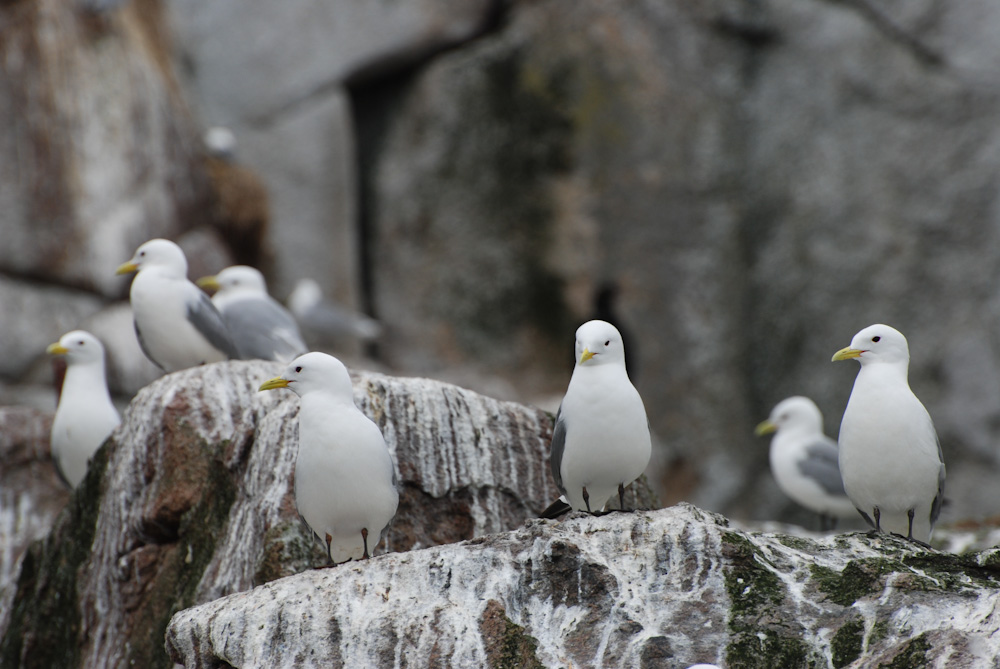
<point>31,493</point>
<point>192,499</point>
<point>100,152</point>
<point>508,181</point>
<point>665,588</point>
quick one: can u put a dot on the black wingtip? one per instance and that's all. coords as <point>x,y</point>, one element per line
<point>556,509</point>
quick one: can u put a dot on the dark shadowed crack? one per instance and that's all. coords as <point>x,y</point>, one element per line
<point>895,32</point>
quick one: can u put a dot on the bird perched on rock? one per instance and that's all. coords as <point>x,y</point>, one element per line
<point>601,440</point>
<point>325,321</point>
<point>345,480</point>
<point>176,323</point>
<point>804,461</point>
<point>85,416</point>
<point>260,326</point>
<point>890,456</point>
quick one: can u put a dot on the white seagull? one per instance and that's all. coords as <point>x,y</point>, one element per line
<point>260,326</point>
<point>601,440</point>
<point>345,480</point>
<point>85,416</point>
<point>804,460</point>
<point>890,456</point>
<point>176,323</point>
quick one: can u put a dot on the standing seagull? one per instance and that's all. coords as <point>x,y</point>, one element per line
<point>345,481</point>
<point>176,323</point>
<point>85,416</point>
<point>890,456</point>
<point>262,328</point>
<point>804,460</point>
<point>601,439</point>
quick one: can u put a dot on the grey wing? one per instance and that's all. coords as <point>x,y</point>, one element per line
<point>557,448</point>
<point>142,345</point>
<point>327,319</point>
<point>207,320</point>
<point>264,330</point>
<point>939,500</point>
<point>385,530</point>
<point>822,465</point>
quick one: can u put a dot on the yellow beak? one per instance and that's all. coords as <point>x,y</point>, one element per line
<point>585,356</point>
<point>276,382</point>
<point>57,349</point>
<point>765,427</point>
<point>127,268</point>
<point>208,283</point>
<point>846,354</point>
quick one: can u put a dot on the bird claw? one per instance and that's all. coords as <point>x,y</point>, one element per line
<point>912,540</point>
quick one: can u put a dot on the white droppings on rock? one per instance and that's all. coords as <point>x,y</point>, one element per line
<point>605,591</point>
<point>31,494</point>
<point>200,472</point>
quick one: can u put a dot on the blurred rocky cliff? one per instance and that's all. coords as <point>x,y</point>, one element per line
<point>759,180</point>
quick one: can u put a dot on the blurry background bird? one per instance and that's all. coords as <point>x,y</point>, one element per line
<point>804,460</point>
<point>326,323</point>
<point>261,327</point>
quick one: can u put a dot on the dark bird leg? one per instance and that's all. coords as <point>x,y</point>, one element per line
<point>877,527</point>
<point>827,523</point>
<point>329,553</point>
<point>586,499</point>
<point>364,538</point>
<point>909,534</point>
<point>621,496</point>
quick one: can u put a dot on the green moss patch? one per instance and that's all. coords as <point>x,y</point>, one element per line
<point>760,637</point>
<point>751,586</point>
<point>848,643</point>
<point>767,650</point>
<point>798,543</point>
<point>858,579</point>
<point>912,656</point>
<point>915,571</point>
<point>508,646</point>
<point>44,629</point>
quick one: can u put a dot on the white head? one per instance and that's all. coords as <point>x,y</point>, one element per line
<point>80,348</point>
<point>315,372</point>
<point>161,254</point>
<point>599,343</point>
<point>306,295</point>
<point>795,414</point>
<point>236,279</point>
<point>220,142</point>
<point>877,344</point>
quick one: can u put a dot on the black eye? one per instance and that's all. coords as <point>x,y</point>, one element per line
<point>298,369</point>
<point>80,342</point>
<point>607,343</point>
<point>142,253</point>
<point>875,339</point>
